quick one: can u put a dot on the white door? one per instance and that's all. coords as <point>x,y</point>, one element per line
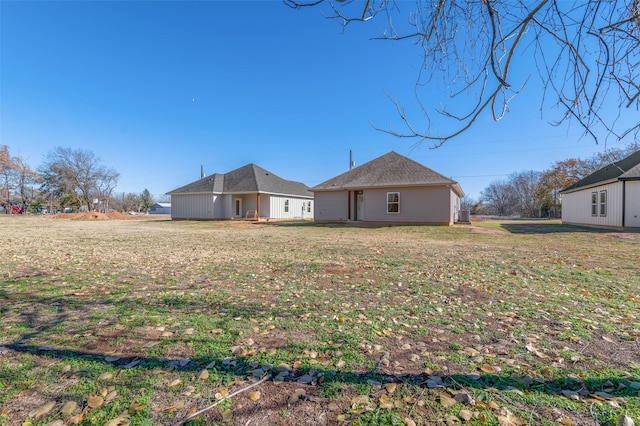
<point>238,207</point>
<point>360,206</point>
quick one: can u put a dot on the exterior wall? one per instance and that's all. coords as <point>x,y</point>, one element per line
<point>632,204</point>
<point>249,202</point>
<point>193,206</point>
<point>419,204</point>
<point>576,206</point>
<point>223,207</point>
<point>331,206</point>
<point>209,206</point>
<point>157,209</point>
<point>276,207</point>
<point>265,205</point>
<point>455,206</point>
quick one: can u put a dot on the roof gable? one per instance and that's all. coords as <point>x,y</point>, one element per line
<point>631,174</point>
<point>212,183</point>
<point>389,170</point>
<point>246,179</point>
<point>627,168</point>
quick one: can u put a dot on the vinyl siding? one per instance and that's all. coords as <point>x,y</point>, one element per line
<point>276,207</point>
<point>632,201</point>
<point>455,206</point>
<point>576,206</point>
<point>193,206</point>
<point>331,206</point>
<point>209,206</point>
<point>249,202</point>
<point>265,205</point>
<point>417,204</point>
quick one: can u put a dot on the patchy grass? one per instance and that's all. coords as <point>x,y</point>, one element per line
<point>146,322</point>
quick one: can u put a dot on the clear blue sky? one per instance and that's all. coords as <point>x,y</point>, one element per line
<point>157,89</point>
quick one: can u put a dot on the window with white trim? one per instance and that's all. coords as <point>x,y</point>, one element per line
<point>594,204</point>
<point>603,203</point>
<point>286,206</point>
<point>393,202</point>
<point>308,206</point>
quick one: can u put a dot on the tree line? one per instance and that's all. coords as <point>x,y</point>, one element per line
<point>68,180</point>
<point>537,193</point>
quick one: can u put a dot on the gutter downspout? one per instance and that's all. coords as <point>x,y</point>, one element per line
<point>258,207</point>
<point>349,205</point>
<point>624,201</point>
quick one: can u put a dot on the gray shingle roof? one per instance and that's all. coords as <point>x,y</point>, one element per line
<point>389,170</point>
<point>246,179</point>
<point>626,169</point>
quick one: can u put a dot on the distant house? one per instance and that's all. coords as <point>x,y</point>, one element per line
<point>390,188</point>
<point>160,208</point>
<point>609,197</point>
<point>249,192</point>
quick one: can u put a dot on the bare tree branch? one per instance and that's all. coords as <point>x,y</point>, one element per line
<point>587,56</point>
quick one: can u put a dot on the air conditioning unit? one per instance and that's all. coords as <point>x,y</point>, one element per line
<point>464,216</point>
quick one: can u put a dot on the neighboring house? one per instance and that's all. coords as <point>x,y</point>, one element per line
<point>390,188</point>
<point>160,208</point>
<point>609,197</point>
<point>249,192</point>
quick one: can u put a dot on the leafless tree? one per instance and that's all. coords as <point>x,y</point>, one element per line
<point>26,181</point>
<point>500,198</point>
<point>525,187</point>
<point>7,173</point>
<point>17,178</point>
<point>587,54</point>
<point>67,169</point>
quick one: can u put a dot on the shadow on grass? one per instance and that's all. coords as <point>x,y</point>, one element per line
<point>231,366</point>
<point>246,368</point>
<point>551,228</point>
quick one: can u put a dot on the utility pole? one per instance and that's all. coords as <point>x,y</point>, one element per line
<point>351,163</point>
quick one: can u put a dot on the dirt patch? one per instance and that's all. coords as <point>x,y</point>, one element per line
<point>82,216</point>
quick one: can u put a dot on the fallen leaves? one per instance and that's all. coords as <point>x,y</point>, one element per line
<point>68,408</point>
<point>42,411</point>
<point>95,401</point>
<point>472,316</point>
<point>203,375</point>
<point>390,387</point>
<point>105,376</point>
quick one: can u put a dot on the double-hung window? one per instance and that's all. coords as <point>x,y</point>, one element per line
<point>393,202</point>
<point>603,203</point>
<point>594,204</point>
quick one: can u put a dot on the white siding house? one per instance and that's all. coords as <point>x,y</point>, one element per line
<point>249,192</point>
<point>609,197</point>
<point>390,188</point>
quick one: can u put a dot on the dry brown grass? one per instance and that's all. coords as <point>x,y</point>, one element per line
<point>532,308</point>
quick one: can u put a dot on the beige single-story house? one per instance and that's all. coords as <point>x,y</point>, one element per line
<point>609,197</point>
<point>249,192</point>
<point>391,188</point>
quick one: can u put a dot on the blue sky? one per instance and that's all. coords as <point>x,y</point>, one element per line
<point>157,89</point>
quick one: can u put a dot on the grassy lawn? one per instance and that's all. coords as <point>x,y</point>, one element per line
<point>145,322</point>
